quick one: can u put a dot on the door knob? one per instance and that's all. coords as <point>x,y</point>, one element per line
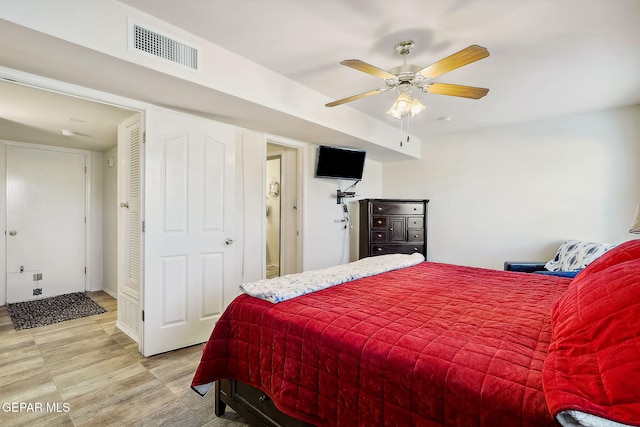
<point>13,233</point>
<point>124,205</point>
<point>228,240</point>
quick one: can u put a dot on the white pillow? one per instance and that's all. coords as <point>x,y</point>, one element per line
<point>576,255</point>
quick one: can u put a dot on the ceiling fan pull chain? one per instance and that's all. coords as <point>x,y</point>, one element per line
<point>408,129</point>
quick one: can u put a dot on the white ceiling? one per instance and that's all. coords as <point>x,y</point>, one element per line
<point>548,58</point>
<point>40,116</point>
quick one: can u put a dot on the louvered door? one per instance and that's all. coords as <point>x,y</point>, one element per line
<point>129,226</point>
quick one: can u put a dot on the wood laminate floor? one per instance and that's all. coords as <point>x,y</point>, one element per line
<point>86,372</point>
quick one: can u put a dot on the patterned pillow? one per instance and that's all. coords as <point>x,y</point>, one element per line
<point>576,254</point>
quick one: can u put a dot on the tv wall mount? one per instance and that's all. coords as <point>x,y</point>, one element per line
<point>345,194</point>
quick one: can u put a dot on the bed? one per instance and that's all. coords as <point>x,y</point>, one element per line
<point>434,344</point>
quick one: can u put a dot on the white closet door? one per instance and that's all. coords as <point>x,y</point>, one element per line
<point>129,226</point>
<point>46,193</point>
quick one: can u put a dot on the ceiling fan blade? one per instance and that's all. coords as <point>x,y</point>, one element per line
<point>354,97</point>
<point>368,68</point>
<point>459,59</point>
<point>457,90</point>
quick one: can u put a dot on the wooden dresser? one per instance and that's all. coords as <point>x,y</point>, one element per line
<point>393,226</point>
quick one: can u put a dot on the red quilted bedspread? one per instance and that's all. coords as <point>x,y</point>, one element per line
<point>433,344</point>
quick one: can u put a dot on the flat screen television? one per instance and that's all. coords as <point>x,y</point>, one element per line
<point>340,163</point>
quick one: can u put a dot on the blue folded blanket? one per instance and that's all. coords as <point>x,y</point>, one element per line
<point>569,274</point>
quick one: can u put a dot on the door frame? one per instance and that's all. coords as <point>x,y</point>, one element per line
<point>275,155</point>
<point>301,181</point>
<point>87,204</point>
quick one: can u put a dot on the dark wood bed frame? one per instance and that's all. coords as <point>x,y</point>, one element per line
<point>251,404</point>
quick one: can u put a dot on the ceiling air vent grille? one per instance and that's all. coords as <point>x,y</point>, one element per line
<point>163,47</point>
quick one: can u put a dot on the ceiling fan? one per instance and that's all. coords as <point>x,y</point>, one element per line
<point>406,77</point>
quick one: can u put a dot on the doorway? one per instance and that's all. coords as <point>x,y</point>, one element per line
<point>274,217</point>
<point>282,214</point>
<point>59,126</point>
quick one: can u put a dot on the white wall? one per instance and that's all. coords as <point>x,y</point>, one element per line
<point>110,230</point>
<point>516,192</point>
<point>251,153</point>
<point>327,242</point>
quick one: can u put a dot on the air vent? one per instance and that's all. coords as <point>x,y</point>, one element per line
<point>158,45</point>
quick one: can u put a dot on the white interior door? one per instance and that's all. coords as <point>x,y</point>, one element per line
<point>45,223</point>
<point>192,265</point>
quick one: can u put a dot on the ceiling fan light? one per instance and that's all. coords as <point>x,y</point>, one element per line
<point>404,105</point>
<point>400,107</point>
<point>393,113</point>
<point>416,107</point>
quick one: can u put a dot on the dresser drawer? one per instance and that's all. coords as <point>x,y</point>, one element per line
<point>379,222</point>
<point>378,236</point>
<point>415,222</point>
<point>258,402</point>
<point>254,405</point>
<point>415,235</point>
<point>382,249</point>
<point>386,208</point>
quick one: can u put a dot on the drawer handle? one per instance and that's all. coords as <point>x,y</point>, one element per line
<point>391,229</point>
<point>379,235</point>
<point>415,249</point>
<point>415,235</point>
<point>379,222</point>
<point>378,249</point>
<point>263,399</point>
<point>379,208</point>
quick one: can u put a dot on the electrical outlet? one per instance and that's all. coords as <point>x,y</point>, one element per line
<point>37,291</point>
